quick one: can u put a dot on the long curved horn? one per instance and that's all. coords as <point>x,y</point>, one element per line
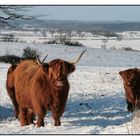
<point>44,58</point>
<point>39,61</point>
<point>77,60</point>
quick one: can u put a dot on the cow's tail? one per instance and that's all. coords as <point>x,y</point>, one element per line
<point>11,89</point>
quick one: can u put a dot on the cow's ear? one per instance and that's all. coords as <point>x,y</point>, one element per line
<point>45,67</point>
<point>120,73</point>
<point>135,69</point>
<point>71,67</point>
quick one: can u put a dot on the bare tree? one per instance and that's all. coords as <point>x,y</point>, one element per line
<point>44,32</point>
<point>52,31</point>
<point>12,13</point>
<point>119,37</point>
<point>105,41</point>
<point>69,35</point>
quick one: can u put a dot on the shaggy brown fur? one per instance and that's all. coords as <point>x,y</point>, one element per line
<point>10,86</point>
<point>42,87</point>
<point>131,80</point>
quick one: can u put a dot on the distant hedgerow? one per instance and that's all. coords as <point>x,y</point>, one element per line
<point>71,43</point>
<point>128,49</point>
<point>29,53</point>
<point>64,42</point>
<point>12,59</point>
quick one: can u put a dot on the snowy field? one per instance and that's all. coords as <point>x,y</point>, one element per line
<point>130,39</point>
<point>96,102</point>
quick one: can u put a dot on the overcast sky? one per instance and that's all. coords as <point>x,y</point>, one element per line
<point>90,13</point>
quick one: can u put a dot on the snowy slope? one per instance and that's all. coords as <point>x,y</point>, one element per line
<point>96,102</point>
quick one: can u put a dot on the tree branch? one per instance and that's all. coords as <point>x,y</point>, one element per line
<point>10,13</point>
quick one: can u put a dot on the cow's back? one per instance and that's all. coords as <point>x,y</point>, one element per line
<point>23,76</point>
<point>10,76</point>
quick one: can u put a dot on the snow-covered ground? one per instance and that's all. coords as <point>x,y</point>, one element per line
<point>112,44</point>
<point>96,102</point>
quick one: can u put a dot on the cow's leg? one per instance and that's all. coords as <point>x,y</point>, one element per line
<point>30,116</point>
<point>40,121</point>
<point>130,106</point>
<point>11,92</point>
<point>23,116</point>
<point>56,116</point>
<point>57,120</point>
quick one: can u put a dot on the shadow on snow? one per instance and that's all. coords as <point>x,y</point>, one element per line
<point>6,112</point>
<point>97,111</point>
<point>100,111</point>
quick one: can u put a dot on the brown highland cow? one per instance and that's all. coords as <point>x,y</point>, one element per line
<point>41,87</point>
<point>131,81</point>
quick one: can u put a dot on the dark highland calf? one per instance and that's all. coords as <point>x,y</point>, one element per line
<point>131,81</point>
